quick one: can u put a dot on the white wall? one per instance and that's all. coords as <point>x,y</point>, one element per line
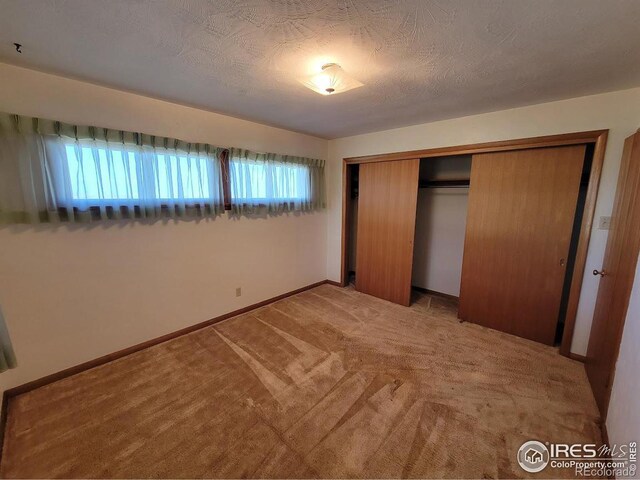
<point>441,219</point>
<point>623,418</point>
<point>70,295</point>
<point>617,111</point>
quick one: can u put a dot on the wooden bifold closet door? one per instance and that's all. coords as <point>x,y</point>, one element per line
<point>522,206</point>
<point>387,198</point>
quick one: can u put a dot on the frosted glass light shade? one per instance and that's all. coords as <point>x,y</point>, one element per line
<point>330,81</point>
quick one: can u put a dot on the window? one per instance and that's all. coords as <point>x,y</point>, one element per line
<point>264,182</point>
<point>101,180</point>
<point>52,171</point>
<point>276,182</point>
<point>104,174</point>
<point>183,177</point>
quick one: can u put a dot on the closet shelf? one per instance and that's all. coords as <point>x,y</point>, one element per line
<point>459,183</point>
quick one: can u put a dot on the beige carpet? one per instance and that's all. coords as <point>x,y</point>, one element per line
<point>327,383</point>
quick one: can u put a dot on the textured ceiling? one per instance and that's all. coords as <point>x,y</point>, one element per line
<point>420,60</point>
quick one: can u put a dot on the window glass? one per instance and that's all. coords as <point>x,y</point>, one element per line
<point>103,174</point>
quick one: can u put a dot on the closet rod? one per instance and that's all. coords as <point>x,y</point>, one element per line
<point>444,183</point>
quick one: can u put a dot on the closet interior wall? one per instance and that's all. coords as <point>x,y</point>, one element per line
<point>440,223</point>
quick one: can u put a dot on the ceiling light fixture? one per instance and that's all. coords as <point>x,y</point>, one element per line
<point>331,80</point>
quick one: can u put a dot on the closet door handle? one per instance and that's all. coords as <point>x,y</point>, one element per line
<point>602,273</point>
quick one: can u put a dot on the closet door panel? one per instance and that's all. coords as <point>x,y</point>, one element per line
<point>522,206</point>
<point>387,200</point>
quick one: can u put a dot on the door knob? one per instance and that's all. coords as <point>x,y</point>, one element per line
<point>602,273</point>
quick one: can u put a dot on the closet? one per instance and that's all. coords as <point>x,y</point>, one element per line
<point>503,230</point>
<point>441,216</point>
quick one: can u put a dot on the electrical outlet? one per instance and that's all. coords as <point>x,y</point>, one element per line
<point>238,291</point>
<point>604,223</point>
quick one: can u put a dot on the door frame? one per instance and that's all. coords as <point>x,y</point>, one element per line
<point>596,137</point>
